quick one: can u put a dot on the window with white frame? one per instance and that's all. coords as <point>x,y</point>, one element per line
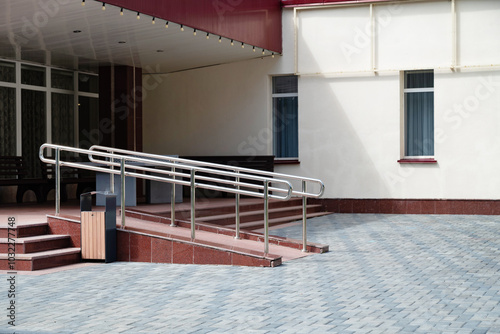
<point>285,117</point>
<point>419,113</point>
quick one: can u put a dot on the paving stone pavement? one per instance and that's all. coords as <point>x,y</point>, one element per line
<point>383,274</point>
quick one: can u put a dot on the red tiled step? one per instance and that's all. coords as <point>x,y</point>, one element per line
<point>34,244</point>
<point>249,216</point>
<point>257,224</point>
<point>23,230</point>
<point>255,206</point>
<point>41,260</point>
<point>224,208</point>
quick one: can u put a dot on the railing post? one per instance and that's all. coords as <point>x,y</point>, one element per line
<point>266,217</point>
<point>122,197</point>
<point>112,178</point>
<point>193,198</point>
<point>237,236</point>
<point>172,202</point>
<point>304,218</point>
<point>58,182</point>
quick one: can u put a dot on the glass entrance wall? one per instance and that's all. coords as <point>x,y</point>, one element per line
<point>40,104</point>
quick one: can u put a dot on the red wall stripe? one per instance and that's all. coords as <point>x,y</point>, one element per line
<point>254,22</point>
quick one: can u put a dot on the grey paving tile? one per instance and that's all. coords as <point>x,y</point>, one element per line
<point>384,273</point>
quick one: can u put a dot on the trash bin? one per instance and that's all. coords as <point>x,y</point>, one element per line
<point>98,228</point>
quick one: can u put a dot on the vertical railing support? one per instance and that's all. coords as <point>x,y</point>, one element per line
<point>58,181</point>
<point>237,210</point>
<point>122,197</point>
<point>172,202</point>
<point>304,218</point>
<point>112,178</point>
<point>266,217</point>
<point>193,198</point>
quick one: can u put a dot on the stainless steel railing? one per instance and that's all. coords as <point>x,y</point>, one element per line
<point>243,172</point>
<point>266,185</point>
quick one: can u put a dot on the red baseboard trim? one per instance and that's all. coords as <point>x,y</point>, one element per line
<point>411,206</point>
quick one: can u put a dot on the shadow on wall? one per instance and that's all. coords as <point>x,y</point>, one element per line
<point>339,136</point>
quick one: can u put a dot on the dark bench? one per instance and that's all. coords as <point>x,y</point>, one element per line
<point>85,182</point>
<point>13,172</point>
<point>259,162</point>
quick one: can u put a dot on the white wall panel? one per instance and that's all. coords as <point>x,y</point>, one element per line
<point>332,40</point>
<point>417,35</point>
<point>479,28</point>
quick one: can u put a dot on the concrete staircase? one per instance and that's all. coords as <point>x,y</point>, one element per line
<point>31,247</point>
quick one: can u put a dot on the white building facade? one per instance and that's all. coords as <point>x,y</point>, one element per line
<point>394,104</point>
<point>398,105</point>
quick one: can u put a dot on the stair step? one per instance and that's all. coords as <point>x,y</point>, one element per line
<point>231,208</point>
<point>254,225</point>
<point>41,260</point>
<point>224,209</point>
<point>35,244</point>
<point>24,230</point>
<point>248,216</point>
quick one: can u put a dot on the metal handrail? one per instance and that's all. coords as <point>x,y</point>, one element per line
<point>245,171</point>
<point>124,163</point>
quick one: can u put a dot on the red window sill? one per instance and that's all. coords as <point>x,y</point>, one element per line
<point>418,161</point>
<point>286,162</point>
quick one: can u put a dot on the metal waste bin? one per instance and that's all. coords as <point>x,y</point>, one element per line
<point>98,228</point>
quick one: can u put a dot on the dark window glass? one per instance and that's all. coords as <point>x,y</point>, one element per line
<point>419,79</point>
<point>285,117</point>
<point>286,127</point>
<point>62,80</point>
<point>285,84</point>
<point>32,75</point>
<point>7,121</point>
<point>63,122</point>
<point>34,126</point>
<point>88,122</point>
<point>88,83</point>
<point>419,115</point>
<point>7,71</point>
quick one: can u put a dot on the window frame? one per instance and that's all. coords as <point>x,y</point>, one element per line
<point>404,158</point>
<point>283,160</point>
